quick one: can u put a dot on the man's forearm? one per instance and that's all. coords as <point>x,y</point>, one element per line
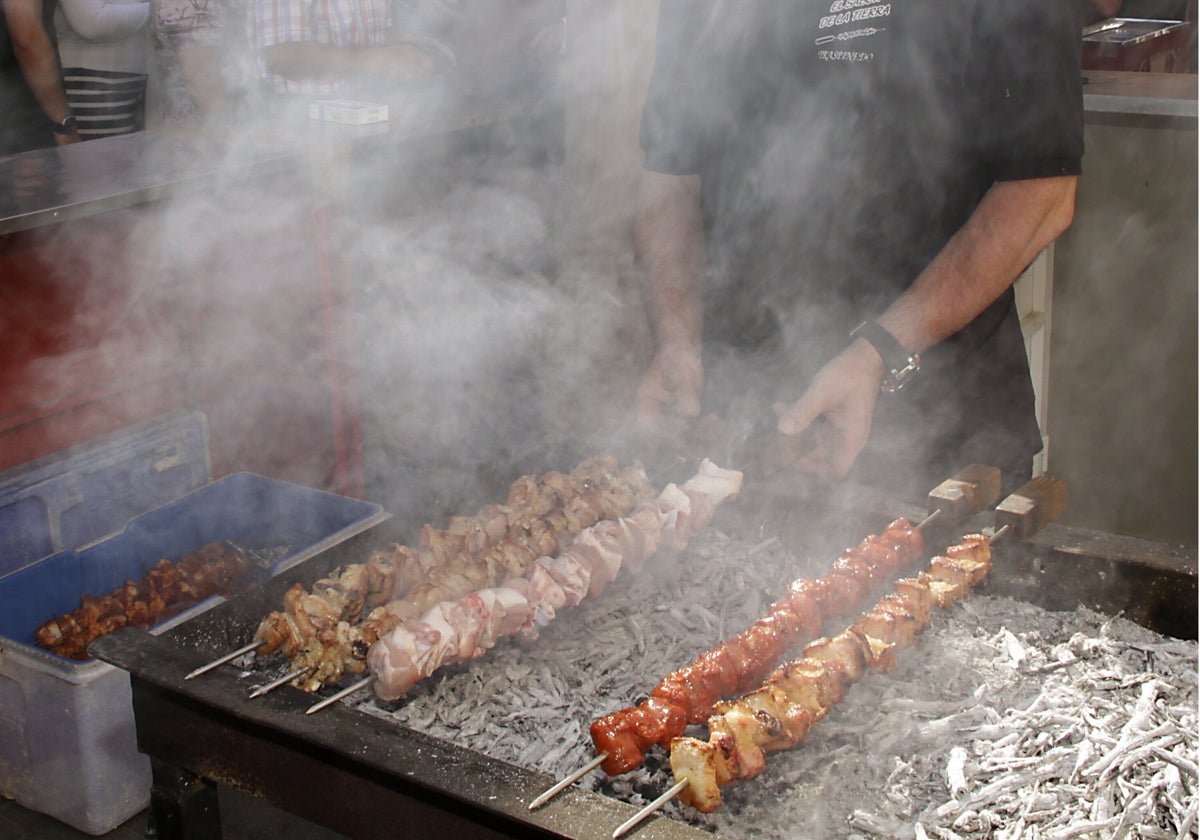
<point>1015,221</point>
<point>36,56</point>
<point>669,240</point>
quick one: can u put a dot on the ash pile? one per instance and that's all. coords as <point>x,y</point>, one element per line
<point>1005,720</point>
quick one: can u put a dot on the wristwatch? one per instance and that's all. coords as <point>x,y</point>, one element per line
<point>900,365</point>
<point>67,126</point>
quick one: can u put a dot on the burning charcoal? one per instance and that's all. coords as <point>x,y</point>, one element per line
<point>1095,731</point>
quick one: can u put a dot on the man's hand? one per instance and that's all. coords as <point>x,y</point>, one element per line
<point>672,384</point>
<point>843,393</point>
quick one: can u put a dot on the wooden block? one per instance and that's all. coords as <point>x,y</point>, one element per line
<point>970,491</point>
<point>1031,508</point>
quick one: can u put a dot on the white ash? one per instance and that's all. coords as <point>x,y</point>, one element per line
<point>1005,720</point>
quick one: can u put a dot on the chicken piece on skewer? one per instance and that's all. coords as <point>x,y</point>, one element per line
<point>324,650</point>
<point>415,648</point>
<point>402,582</point>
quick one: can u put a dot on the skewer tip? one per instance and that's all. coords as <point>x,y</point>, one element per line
<point>558,787</point>
<point>229,657</point>
<point>271,686</point>
<point>667,795</point>
<point>345,692</point>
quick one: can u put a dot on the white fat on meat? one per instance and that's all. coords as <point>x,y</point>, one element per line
<point>708,488</point>
<point>718,483</point>
<point>547,598</point>
<point>469,616</point>
<point>454,631</point>
<point>650,518</point>
<point>677,530</point>
<point>572,574</point>
<point>511,610</point>
<point>605,554</point>
<point>392,660</point>
<point>442,639</point>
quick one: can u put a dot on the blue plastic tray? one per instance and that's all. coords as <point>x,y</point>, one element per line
<point>284,521</point>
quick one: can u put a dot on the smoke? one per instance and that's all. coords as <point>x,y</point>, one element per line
<point>399,275</point>
<point>498,325</point>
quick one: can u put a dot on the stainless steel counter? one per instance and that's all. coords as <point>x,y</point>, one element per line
<point>56,185</point>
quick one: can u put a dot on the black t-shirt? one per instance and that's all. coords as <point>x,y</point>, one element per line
<point>25,125</point>
<point>840,144</point>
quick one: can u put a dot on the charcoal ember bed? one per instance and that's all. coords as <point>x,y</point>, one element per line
<point>1005,720</point>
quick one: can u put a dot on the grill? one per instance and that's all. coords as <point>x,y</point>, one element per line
<point>364,776</point>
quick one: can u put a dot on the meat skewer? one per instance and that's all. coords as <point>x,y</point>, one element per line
<point>779,713</point>
<point>688,695</point>
<point>400,582</point>
<point>455,631</point>
<point>332,646</point>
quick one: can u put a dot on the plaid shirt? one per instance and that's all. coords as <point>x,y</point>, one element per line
<point>342,23</point>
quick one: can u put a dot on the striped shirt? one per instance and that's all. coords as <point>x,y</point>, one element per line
<point>340,23</point>
<point>105,102</point>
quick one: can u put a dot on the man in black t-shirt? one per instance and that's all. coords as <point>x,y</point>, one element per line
<point>816,166</point>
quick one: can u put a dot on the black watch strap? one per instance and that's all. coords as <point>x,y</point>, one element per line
<point>899,365</point>
<point>69,125</point>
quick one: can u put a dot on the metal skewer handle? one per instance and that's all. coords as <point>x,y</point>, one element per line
<point>558,787</point>
<point>669,794</point>
<point>271,686</point>
<point>345,692</point>
<point>229,657</point>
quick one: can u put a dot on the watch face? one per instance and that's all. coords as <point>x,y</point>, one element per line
<point>897,379</point>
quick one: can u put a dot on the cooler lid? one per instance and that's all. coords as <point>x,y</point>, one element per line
<point>71,498</point>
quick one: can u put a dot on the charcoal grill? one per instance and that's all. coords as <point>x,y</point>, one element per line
<point>365,777</point>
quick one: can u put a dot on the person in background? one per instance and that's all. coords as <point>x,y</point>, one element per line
<point>200,60</point>
<point>488,32</point>
<point>32,101</point>
<point>103,46</point>
<point>321,46</point>
<point>835,203</point>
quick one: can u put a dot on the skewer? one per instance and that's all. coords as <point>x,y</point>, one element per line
<point>262,559</point>
<point>562,785</point>
<point>968,492</point>
<point>345,692</point>
<point>1022,514</point>
<point>229,657</point>
<point>271,686</point>
<point>669,794</point>
<point>558,787</point>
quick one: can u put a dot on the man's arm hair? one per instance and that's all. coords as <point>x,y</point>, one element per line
<point>669,242</point>
<point>1013,224</point>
